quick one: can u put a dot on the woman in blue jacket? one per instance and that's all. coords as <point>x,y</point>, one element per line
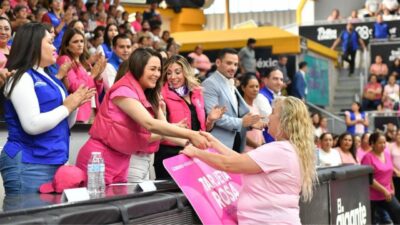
<point>38,113</point>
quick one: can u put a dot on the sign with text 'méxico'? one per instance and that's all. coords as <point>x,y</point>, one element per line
<point>212,193</point>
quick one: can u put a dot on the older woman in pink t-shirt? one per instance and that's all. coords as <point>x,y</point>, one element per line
<point>381,190</point>
<point>395,155</point>
<point>275,174</point>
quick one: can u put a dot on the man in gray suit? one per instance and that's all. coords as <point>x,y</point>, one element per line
<point>219,89</point>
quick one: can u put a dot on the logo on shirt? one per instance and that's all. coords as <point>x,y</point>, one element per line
<point>357,216</point>
<point>40,83</point>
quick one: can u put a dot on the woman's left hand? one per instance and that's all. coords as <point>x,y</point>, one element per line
<point>99,67</point>
<point>189,151</point>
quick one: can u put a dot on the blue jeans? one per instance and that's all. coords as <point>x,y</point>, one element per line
<point>23,178</point>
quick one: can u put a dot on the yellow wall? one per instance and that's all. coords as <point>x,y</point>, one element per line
<point>186,20</point>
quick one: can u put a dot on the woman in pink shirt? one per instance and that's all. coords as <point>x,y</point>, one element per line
<point>347,148</point>
<point>275,174</point>
<point>372,94</point>
<point>74,49</point>
<point>5,36</point>
<point>391,93</point>
<point>395,155</point>
<point>364,147</point>
<point>381,190</point>
<point>379,68</point>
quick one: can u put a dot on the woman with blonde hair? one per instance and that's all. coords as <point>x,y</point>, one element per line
<point>275,174</point>
<point>183,98</point>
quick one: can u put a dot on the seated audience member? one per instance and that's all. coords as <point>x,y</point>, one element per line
<point>356,121</point>
<point>364,146</point>
<point>130,122</point>
<point>201,61</point>
<point>5,36</point>
<point>381,190</point>
<point>110,32</point>
<point>38,113</point>
<point>390,134</point>
<point>322,127</point>
<point>183,98</point>
<point>372,94</point>
<point>391,93</point>
<point>395,67</point>
<point>391,5</point>
<point>74,49</point>
<point>327,155</point>
<point>372,7</point>
<point>379,68</point>
<point>394,149</point>
<point>287,165</point>
<point>334,16</point>
<point>357,142</point>
<point>353,18</point>
<point>122,49</point>
<point>249,88</point>
<point>316,119</point>
<point>346,148</point>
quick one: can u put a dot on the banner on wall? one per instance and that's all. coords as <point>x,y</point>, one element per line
<point>326,34</point>
<point>212,193</point>
<point>317,79</point>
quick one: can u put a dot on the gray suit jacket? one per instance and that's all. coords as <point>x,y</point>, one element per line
<point>216,92</point>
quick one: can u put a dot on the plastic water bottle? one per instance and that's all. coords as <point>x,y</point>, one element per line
<point>93,172</point>
<point>101,181</point>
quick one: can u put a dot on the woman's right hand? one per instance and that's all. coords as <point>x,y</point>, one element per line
<point>388,196</point>
<point>199,140</point>
<point>79,97</point>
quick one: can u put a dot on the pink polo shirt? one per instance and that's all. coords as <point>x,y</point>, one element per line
<point>272,197</point>
<point>383,172</point>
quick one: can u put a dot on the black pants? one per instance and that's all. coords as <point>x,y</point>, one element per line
<point>396,182</point>
<point>349,56</point>
<point>164,152</point>
<point>392,207</point>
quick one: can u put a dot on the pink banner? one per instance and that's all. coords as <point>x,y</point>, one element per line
<point>212,193</point>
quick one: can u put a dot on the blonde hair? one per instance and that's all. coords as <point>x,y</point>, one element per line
<point>190,79</point>
<point>296,125</point>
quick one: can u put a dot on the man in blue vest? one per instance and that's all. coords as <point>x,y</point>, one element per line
<point>273,84</point>
<point>351,42</point>
<point>122,49</point>
<point>381,29</point>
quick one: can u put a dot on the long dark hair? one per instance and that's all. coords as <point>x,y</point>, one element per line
<point>69,33</point>
<point>107,40</point>
<point>137,62</point>
<point>26,51</point>
<point>353,145</point>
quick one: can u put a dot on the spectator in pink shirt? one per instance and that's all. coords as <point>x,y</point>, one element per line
<point>201,61</point>
<point>395,155</point>
<point>5,36</point>
<point>74,49</point>
<point>372,94</point>
<point>381,190</point>
<point>275,174</point>
<point>364,147</point>
<point>347,149</point>
<point>137,24</point>
<point>379,68</point>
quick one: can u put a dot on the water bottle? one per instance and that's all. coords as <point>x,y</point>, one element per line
<point>102,183</point>
<point>93,170</point>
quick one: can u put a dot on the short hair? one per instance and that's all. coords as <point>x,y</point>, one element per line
<point>251,41</point>
<point>19,8</point>
<point>119,36</point>
<point>224,51</point>
<point>302,64</point>
<point>269,71</point>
